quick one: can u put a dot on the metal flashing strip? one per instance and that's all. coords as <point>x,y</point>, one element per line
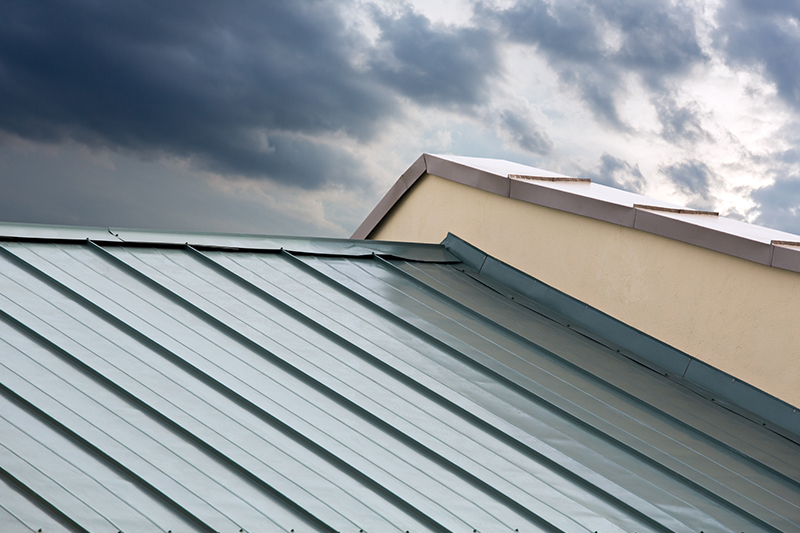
<point>675,210</point>
<point>224,241</point>
<point>467,175</point>
<point>620,208</point>
<point>407,179</point>
<point>563,200</point>
<point>735,394</point>
<point>547,178</point>
<point>680,229</point>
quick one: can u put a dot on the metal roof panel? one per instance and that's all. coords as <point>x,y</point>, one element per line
<point>148,386</point>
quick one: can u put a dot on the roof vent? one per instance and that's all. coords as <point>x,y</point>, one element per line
<point>547,178</point>
<point>679,210</point>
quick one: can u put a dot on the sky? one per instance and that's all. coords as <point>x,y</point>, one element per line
<point>295,117</point>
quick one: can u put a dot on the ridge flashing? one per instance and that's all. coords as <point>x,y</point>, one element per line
<point>423,252</point>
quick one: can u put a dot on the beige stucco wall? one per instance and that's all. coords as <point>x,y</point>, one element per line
<point>739,316</point>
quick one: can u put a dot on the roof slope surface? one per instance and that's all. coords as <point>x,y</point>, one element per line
<point>161,388</point>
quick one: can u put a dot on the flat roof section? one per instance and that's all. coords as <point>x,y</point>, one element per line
<point>732,237</point>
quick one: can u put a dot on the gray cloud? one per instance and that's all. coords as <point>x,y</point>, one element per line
<point>655,40</point>
<point>691,177</point>
<point>658,38</point>
<point>776,205</point>
<point>779,204</point>
<point>434,64</point>
<point>599,90</point>
<point>265,89</point>
<point>524,132</point>
<point>237,87</point>
<point>616,172</point>
<point>679,124</point>
<point>194,79</point>
<point>764,35</point>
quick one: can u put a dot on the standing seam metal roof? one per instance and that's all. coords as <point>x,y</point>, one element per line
<point>165,387</point>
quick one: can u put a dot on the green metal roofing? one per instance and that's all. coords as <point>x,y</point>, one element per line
<point>328,385</point>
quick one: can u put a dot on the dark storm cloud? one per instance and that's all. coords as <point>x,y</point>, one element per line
<point>434,64</point>
<point>616,172</point>
<point>594,46</point>
<point>231,85</point>
<point>779,204</point>
<point>525,133</point>
<point>764,35</point>
<point>188,78</point>
<point>691,177</point>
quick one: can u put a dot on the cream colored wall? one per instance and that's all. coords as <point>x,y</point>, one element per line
<point>739,316</point>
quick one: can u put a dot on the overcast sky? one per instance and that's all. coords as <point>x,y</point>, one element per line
<point>295,117</point>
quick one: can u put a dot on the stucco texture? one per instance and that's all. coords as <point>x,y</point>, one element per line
<point>736,315</point>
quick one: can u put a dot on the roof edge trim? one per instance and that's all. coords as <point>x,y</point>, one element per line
<point>654,219</point>
<point>429,253</point>
<point>406,180</point>
<point>704,379</point>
